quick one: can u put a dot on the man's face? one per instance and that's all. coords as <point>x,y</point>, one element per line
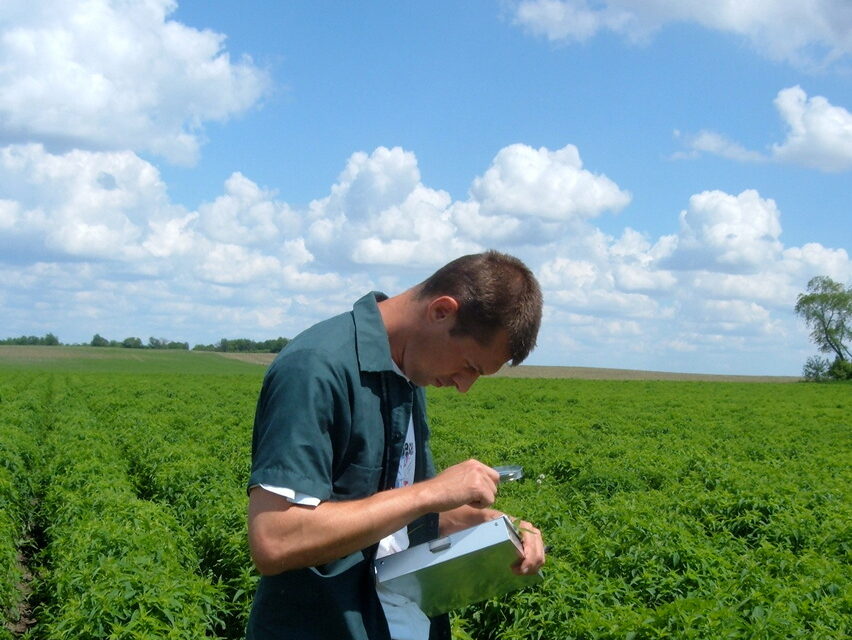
<point>434,357</point>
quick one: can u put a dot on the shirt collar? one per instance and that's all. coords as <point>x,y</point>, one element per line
<point>399,372</point>
<point>371,337</point>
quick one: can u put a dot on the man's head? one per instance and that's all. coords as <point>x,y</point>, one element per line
<point>496,293</point>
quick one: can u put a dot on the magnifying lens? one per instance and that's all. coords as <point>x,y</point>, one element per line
<point>510,472</point>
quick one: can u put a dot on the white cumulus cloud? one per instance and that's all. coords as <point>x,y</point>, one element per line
<point>551,185</point>
<point>804,32</point>
<point>727,233</point>
<point>171,237</point>
<point>115,75</point>
<point>378,212</point>
<point>819,133</point>
<point>94,238</point>
<point>113,207</point>
<point>819,136</point>
<point>369,184</point>
<point>247,214</point>
<point>418,231</point>
<point>723,282</point>
<point>233,264</point>
<point>588,282</point>
<point>739,316</point>
<point>80,203</point>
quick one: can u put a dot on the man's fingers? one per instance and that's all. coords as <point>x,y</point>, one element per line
<point>467,483</point>
<point>534,554</point>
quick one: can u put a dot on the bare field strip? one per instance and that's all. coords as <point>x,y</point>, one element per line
<point>593,373</point>
<point>264,359</point>
<point>580,373</point>
<point>14,353</point>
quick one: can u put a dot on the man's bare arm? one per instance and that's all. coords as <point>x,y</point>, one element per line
<point>284,536</point>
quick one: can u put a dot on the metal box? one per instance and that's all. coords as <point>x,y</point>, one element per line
<point>460,569</point>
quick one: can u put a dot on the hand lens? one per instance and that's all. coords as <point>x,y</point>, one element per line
<point>510,472</point>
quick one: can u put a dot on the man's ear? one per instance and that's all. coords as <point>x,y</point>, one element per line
<point>443,308</point>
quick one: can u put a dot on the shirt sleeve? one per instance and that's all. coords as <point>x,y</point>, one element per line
<point>301,499</point>
<point>299,403</point>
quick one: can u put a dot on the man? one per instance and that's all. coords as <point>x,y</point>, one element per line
<point>341,466</point>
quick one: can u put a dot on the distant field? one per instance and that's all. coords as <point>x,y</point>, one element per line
<point>120,360</point>
<point>164,361</point>
<point>579,373</point>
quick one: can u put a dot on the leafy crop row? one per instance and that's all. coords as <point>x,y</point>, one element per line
<point>114,565</point>
<point>673,510</point>
<point>16,447</point>
<point>194,461</point>
<point>141,500</point>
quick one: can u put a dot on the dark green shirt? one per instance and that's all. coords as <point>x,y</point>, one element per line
<point>331,422</point>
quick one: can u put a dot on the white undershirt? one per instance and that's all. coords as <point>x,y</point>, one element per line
<point>405,619</point>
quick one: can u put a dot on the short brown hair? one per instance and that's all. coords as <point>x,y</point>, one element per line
<point>494,291</point>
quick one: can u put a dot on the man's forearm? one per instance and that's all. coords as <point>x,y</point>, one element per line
<point>284,536</point>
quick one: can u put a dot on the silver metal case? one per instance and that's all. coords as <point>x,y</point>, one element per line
<point>460,569</point>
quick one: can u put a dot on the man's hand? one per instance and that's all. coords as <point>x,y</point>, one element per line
<point>461,518</point>
<point>533,550</point>
<point>467,483</point>
<point>464,493</point>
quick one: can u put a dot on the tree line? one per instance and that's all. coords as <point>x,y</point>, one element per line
<point>225,345</point>
<point>48,340</point>
<point>244,345</point>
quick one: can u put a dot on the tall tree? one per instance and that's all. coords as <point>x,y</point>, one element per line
<point>827,310</point>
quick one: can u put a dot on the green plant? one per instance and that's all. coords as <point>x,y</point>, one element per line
<point>840,369</point>
<point>816,369</point>
<point>673,510</point>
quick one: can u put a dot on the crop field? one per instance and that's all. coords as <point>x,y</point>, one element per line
<point>673,509</point>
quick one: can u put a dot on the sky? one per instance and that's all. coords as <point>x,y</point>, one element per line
<point>673,171</point>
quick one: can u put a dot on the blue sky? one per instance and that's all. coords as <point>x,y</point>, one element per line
<point>674,172</point>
